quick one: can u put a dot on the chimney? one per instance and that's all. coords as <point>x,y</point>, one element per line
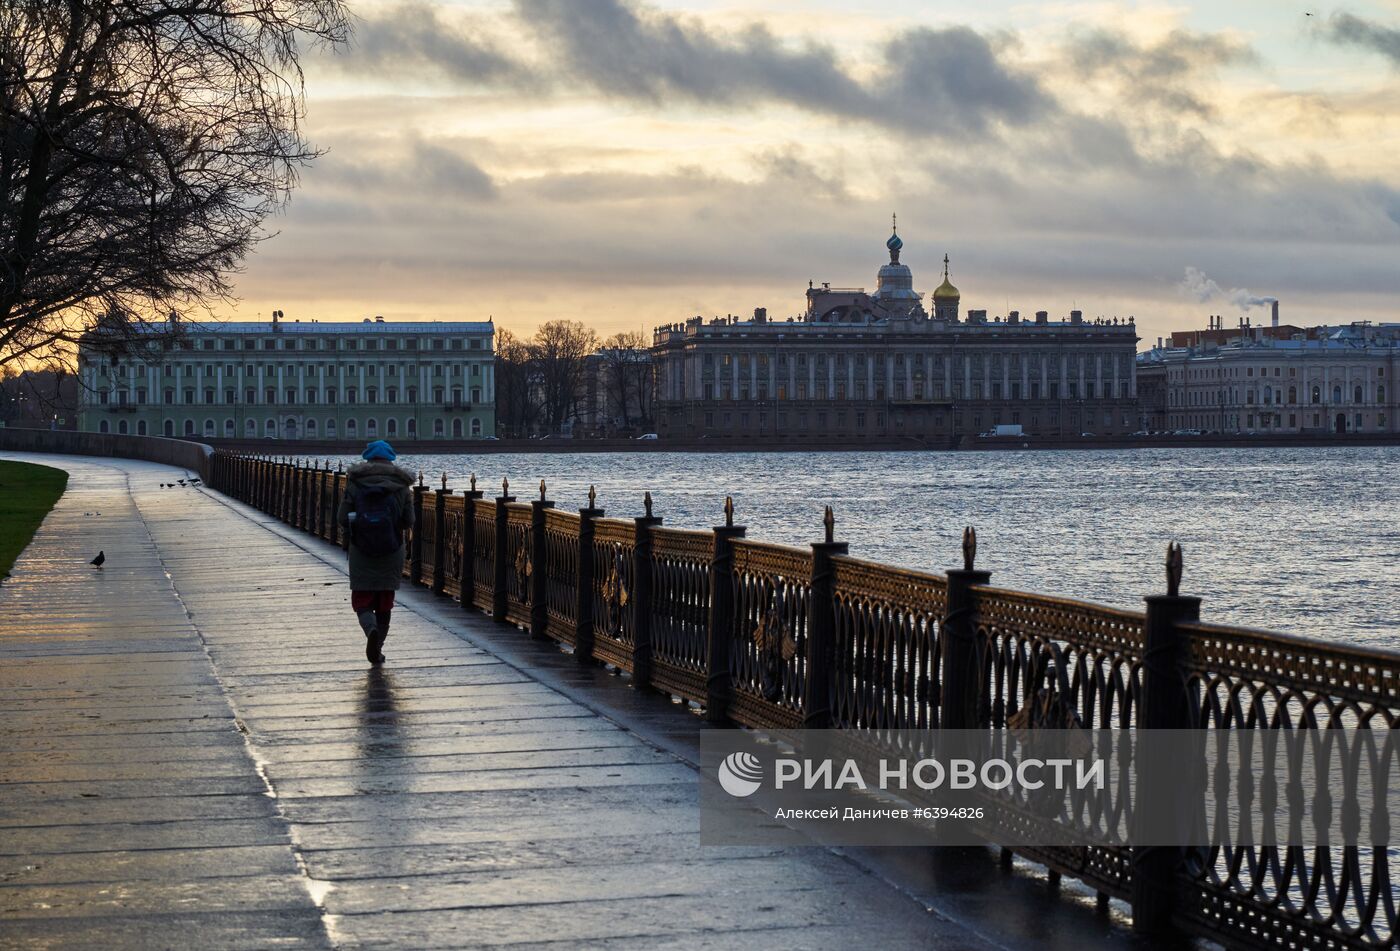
<point>1275,308</point>
<point>1014,317</point>
<point>1076,316</point>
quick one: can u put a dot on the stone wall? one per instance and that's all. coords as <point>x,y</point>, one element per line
<point>174,452</point>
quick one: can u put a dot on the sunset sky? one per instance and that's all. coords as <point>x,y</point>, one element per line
<point>633,164</point>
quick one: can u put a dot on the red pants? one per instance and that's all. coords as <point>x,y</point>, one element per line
<point>377,601</point>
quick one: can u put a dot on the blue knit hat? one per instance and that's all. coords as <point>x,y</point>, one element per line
<point>379,449</point>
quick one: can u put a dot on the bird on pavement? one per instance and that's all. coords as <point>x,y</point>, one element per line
<point>97,562</point>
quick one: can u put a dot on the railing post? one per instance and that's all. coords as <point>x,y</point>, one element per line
<point>539,577</point>
<point>641,592</point>
<point>961,663</point>
<point>415,565</point>
<point>499,597</point>
<point>338,535</point>
<point>308,497</point>
<point>285,490</point>
<point>323,517</point>
<point>303,520</point>
<point>1166,705</point>
<point>467,581</point>
<point>718,680</point>
<point>821,629</point>
<point>583,609</point>
<point>440,538</point>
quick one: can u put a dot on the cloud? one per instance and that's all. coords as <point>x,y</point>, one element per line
<point>404,39</point>
<point>1201,288</point>
<point>1166,72</point>
<point>409,169</point>
<point>928,82</point>
<point>1351,30</point>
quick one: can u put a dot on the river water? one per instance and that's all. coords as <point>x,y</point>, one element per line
<point>1303,540</point>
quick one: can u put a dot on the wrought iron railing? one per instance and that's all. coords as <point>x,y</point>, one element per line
<point>775,637</point>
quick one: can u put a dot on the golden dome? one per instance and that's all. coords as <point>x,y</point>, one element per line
<point>946,290</point>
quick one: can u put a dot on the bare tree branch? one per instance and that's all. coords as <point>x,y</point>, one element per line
<point>142,145</point>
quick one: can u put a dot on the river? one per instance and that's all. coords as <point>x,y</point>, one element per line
<point>1304,540</point>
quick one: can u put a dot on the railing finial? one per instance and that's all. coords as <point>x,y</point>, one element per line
<point>339,467</point>
<point>420,477</point>
<point>969,546</point>
<point>729,511</point>
<point>592,497</point>
<point>646,501</point>
<point>444,482</point>
<point>473,481</point>
<point>505,486</point>
<point>829,520</point>
<point>1173,569</point>
<point>541,490</point>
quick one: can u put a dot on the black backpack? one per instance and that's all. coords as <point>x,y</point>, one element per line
<point>376,523</point>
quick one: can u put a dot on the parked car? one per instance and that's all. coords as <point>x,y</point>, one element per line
<point>648,436</point>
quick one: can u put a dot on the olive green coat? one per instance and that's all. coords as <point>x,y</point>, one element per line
<point>377,572</point>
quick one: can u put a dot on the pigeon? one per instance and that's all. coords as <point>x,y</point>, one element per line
<point>97,562</point>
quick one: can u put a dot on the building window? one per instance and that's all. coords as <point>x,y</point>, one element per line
<point>437,427</point>
<point>1316,398</point>
<point>1356,398</point>
<point>1337,393</point>
<point>250,427</point>
<point>391,426</point>
<point>330,429</point>
<point>457,428</point>
<point>476,427</point>
<point>412,427</point>
<point>270,427</point>
<point>271,395</point>
<point>103,426</point>
<point>371,427</point>
<point>350,427</point>
<point>169,397</point>
<point>209,429</point>
<point>228,428</point>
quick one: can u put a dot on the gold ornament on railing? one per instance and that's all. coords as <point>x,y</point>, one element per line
<point>969,547</point>
<point>646,502</point>
<point>541,490</point>
<point>729,511</point>
<point>592,497</point>
<point>1173,569</point>
<point>829,521</point>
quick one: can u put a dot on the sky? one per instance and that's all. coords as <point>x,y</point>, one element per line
<point>632,163</point>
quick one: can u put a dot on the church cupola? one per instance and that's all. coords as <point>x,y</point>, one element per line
<point>946,298</point>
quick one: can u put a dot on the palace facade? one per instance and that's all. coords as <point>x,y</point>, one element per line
<point>858,364</point>
<point>1275,379</point>
<point>298,381</point>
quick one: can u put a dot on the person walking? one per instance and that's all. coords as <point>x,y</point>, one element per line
<point>376,510</point>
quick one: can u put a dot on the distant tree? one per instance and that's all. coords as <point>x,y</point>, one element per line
<point>560,348</point>
<point>142,144</point>
<point>517,389</point>
<point>627,376</point>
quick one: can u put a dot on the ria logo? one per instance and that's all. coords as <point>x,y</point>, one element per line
<point>740,774</point>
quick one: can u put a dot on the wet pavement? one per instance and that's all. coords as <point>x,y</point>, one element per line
<point>194,753</point>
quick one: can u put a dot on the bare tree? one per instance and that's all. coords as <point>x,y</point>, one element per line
<point>560,348</point>
<point>142,144</point>
<point>517,385</point>
<point>627,376</point>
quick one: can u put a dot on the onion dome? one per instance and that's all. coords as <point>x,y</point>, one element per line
<point>946,290</point>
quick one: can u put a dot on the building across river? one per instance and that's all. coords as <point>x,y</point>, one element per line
<point>878,364</point>
<point>1274,379</point>
<point>303,380</point>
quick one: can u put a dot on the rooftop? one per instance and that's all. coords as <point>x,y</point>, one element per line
<point>366,326</point>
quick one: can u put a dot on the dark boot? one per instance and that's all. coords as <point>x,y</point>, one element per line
<point>382,622</point>
<point>373,639</point>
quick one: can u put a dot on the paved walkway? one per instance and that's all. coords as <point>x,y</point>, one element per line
<point>194,754</point>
